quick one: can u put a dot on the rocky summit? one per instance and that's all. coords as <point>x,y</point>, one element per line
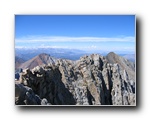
<point>91,80</point>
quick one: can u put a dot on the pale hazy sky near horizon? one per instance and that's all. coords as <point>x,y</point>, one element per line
<point>85,32</point>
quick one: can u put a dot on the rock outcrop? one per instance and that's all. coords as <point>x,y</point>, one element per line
<point>25,96</point>
<point>123,63</point>
<point>92,80</point>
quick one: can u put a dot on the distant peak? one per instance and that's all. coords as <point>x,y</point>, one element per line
<point>111,53</point>
<point>43,54</point>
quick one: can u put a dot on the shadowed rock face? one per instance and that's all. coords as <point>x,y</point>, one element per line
<point>92,80</point>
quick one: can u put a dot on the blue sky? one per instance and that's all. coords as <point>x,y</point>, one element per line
<point>86,32</point>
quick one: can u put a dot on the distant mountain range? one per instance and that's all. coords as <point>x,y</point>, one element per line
<point>46,59</point>
<point>130,57</point>
<point>71,54</point>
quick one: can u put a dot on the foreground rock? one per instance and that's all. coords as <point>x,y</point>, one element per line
<point>92,80</point>
<point>25,96</point>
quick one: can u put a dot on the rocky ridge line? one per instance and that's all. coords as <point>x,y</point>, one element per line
<point>92,80</point>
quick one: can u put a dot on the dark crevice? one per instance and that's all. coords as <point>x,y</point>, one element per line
<point>101,64</point>
<point>133,89</point>
<point>110,86</point>
<point>103,95</point>
<point>90,97</point>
